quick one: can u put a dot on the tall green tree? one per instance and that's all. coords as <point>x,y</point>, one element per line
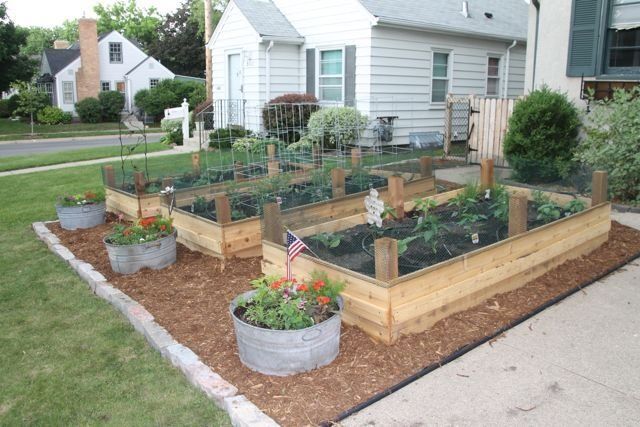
<point>180,44</point>
<point>132,21</point>
<point>40,38</point>
<point>13,64</point>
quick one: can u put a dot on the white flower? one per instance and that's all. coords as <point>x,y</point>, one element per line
<point>142,239</point>
<point>168,190</point>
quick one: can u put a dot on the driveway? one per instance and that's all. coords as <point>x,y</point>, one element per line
<point>22,148</point>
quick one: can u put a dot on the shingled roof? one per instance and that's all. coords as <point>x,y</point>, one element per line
<point>60,58</point>
<point>267,19</point>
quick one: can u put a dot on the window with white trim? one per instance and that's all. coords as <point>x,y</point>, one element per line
<point>493,76</point>
<point>105,86</point>
<point>331,75</point>
<point>153,83</point>
<point>67,93</point>
<point>115,53</point>
<point>440,76</point>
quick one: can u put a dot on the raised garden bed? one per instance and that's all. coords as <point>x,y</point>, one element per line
<point>193,306</point>
<point>435,285</point>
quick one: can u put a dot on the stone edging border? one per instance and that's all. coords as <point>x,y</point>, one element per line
<point>241,411</point>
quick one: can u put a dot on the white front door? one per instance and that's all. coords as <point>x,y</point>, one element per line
<point>234,102</point>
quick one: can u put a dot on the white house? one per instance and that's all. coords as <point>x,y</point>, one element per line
<point>575,45</point>
<point>97,63</point>
<point>386,57</point>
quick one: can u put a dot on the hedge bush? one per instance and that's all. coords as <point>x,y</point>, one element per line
<point>173,129</point>
<point>286,116</point>
<point>13,104</point>
<point>542,136</point>
<point>111,105</point>
<point>333,125</point>
<point>89,110</point>
<point>225,137</point>
<point>53,116</point>
<point>169,94</point>
<point>4,108</point>
<point>613,143</point>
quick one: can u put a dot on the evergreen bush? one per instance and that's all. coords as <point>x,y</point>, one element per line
<point>89,110</point>
<point>111,105</point>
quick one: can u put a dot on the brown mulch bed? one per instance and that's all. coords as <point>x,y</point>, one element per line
<point>190,299</point>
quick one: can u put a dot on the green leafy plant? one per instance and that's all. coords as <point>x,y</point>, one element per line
<point>86,198</point>
<point>285,116</point>
<point>328,240</point>
<point>425,205</point>
<point>255,145</point>
<point>403,244</point>
<point>540,198</point>
<point>142,231</point>
<point>224,137</point>
<point>360,177</point>
<point>575,206</point>
<point>466,201</point>
<point>53,116</point>
<point>611,144</point>
<point>336,125</point>
<point>89,110</point>
<point>111,105</point>
<point>549,212</point>
<point>283,304</point>
<point>542,136</point>
<point>199,204</point>
<point>173,129</point>
<point>468,219</point>
<point>500,203</point>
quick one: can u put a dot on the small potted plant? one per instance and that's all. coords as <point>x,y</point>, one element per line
<point>83,210</point>
<point>150,242</point>
<point>284,327</point>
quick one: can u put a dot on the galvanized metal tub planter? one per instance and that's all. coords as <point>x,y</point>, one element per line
<point>81,216</point>
<point>157,254</point>
<point>281,353</point>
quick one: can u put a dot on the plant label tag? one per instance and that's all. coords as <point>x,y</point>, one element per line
<point>487,194</point>
<point>374,207</point>
<point>279,200</point>
<point>420,220</point>
<point>475,238</point>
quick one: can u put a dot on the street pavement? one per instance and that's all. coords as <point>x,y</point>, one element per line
<point>27,147</point>
<point>576,363</point>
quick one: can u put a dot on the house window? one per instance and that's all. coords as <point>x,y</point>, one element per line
<point>67,92</point>
<point>115,53</point>
<point>440,76</point>
<point>493,76</point>
<point>153,83</point>
<point>330,77</point>
<point>48,89</point>
<point>623,47</point>
<point>105,86</point>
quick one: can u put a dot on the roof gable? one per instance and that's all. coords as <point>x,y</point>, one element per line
<point>509,17</point>
<point>58,59</point>
<point>265,17</point>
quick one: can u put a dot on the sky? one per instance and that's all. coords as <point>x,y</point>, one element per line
<point>49,13</point>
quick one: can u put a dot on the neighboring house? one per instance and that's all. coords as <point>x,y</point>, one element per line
<point>575,45</point>
<point>386,57</point>
<point>97,63</point>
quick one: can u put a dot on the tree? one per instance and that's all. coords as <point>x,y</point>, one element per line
<point>40,38</point>
<point>132,21</point>
<point>30,100</point>
<point>14,66</point>
<point>180,41</point>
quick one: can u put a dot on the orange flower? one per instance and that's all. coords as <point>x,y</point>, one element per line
<point>146,222</point>
<point>323,300</point>
<point>276,285</point>
<point>126,232</point>
<point>89,195</point>
<point>302,288</point>
<point>163,227</point>
<point>318,285</point>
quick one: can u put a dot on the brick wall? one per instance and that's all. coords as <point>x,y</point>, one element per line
<point>88,75</point>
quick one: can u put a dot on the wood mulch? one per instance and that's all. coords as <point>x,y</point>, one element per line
<point>190,299</point>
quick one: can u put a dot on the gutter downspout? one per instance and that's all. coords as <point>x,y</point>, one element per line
<point>536,3</point>
<point>506,71</point>
<point>268,71</point>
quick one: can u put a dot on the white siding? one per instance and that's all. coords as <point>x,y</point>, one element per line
<point>401,74</point>
<point>140,78</point>
<point>67,74</point>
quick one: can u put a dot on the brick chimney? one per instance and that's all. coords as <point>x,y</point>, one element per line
<point>60,44</point>
<point>88,75</point>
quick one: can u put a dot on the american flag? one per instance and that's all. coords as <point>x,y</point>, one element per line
<point>295,246</point>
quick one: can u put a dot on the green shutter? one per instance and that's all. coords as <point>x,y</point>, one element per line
<point>584,37</point>
<point>350,75</point>
<point>311,71</point>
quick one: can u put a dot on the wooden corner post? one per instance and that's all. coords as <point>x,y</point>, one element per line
<point>396,195</point>
<point>337,182</point>
<point>271,151</point>
<point>272,223</point>
<point>599,188</point>
<point>426,166</point>
<point>356,157</point>
<point>139,182</point>
<point>195,164</point>
<point>237,171</point>
<point>316,156</point>
<point>109,176</point>
<point>223,209</point>
<point>486,174</point>
<point>273,168</point>
<point>386,258</point>
<point>517,214</point>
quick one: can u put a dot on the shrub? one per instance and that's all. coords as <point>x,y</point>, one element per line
<point>285,116</point>
<point>255,145</point>
<point>612,142</point>
<point>111,105</point>
<point>173,128</point>
<point>4,108</point>
<point>169,94</point>
<point>30,99</point>
<point>13,104</point>
<point>89,110</point>
<point>53,116</point>
<point>542,136</point>
<point>224,137</point>
<point>336,125</point>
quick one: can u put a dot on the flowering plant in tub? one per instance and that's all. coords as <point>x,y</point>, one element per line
<point>149,242</point>
<point>286,326</point>
<point>83,210</point>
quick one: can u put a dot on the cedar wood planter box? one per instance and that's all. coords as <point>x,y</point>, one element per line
<point>243,238</point>
<point>414,302</point>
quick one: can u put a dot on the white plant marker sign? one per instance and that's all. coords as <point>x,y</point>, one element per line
<point>374,207</point>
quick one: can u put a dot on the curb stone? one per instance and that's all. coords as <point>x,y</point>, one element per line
<point>241,411</point>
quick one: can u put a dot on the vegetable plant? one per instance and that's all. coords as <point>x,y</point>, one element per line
<point>328,240</point>
<point>500,203</point>
<point>403,244</point>
<point>466,201</point>
<point>81,199</point>
<point>574,206</point>
<point>549,212</point>
<point>199,204</point>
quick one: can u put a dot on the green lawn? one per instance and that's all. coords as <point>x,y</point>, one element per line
<point>34,160</point>
<point>10,130</point>
<point>66,356</point>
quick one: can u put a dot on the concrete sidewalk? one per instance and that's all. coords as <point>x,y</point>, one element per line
<point>175,150</point>
<point>576,363</point>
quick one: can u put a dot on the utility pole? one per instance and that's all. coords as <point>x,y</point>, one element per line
<point>208,31</point>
